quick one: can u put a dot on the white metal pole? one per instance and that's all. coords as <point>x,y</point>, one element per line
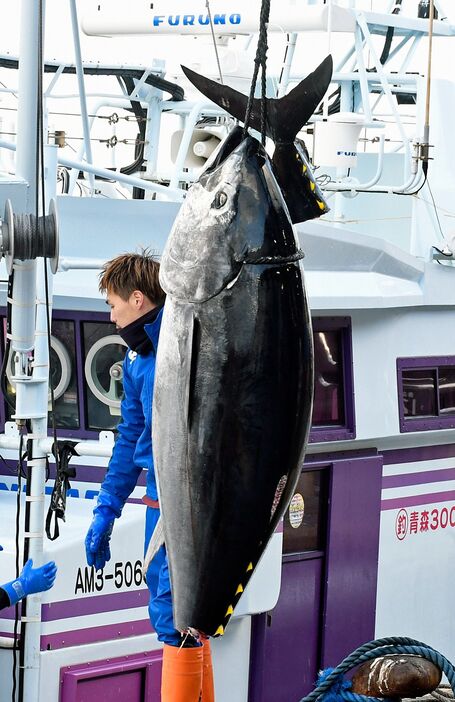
<point>27,129</point>
<point>39,431</point>
<point>25,278</point>
<point>152,136</point>
<point>27,100</point>
<point>89,448</point>
<point>426,128</point>
<point>81,86</point>
<point>286,69</point>
<point>325,104</point>
<point>168,193</point>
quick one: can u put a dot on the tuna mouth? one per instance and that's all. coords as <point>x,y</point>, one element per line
<point>279,260</point>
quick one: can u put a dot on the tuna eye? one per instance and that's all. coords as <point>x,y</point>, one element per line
<point>219,200</point>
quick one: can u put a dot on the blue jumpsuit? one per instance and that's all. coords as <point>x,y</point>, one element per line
<point>132,453</point>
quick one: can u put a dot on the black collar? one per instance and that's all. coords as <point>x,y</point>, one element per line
<point>135,335</point>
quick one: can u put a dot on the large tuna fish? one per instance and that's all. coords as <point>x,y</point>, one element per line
<point>234,379</point>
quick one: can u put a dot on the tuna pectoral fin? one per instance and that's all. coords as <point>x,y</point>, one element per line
<point>184,356</point>
<point>188,341</point>
<point>286,115</point>
<point>155,543</point>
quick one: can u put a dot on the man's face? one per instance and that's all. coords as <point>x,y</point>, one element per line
<point>123,312</point>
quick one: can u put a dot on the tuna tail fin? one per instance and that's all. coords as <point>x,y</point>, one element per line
<point>285,116</point>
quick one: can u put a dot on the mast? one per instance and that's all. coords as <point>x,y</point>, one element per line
<point>29,332</point>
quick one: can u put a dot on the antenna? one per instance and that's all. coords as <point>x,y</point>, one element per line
<point>425,146</point>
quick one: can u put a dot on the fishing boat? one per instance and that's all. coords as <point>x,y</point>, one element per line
<point>364,548</point>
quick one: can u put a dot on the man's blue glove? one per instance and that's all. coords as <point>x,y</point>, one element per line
<point>31,580</point>
<point>97,547</point>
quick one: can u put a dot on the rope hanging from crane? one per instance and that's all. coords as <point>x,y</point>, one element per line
<point>260,61</point>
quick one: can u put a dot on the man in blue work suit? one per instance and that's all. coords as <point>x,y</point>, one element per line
<point>134,294</point>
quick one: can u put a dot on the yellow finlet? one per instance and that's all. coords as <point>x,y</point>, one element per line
<point>219,631</point>
<point>250,567</point>
<point>312,186</point>
<point>230,610</point>
<point>239,590</point>
<point>321,205</point>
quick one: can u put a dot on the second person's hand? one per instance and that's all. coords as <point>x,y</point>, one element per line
<point>97,547</point>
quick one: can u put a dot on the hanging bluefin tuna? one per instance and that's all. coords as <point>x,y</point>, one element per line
<point>234,375</point>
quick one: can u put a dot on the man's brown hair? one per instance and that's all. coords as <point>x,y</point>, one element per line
<point>132,271</point>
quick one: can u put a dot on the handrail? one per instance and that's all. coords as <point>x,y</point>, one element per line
<point>168,192</point>
<point>82,95</point>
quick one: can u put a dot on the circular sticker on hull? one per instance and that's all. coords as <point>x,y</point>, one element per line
<point>296,510</point>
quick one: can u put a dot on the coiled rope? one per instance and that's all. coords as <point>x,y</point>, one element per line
<point>442,693</point>
<point>333,688</point>
<point>34,236</point>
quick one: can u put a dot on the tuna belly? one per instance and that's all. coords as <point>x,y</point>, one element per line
<point>231,414</point>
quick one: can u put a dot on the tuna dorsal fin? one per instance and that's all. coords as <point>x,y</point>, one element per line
<point>285,116</point>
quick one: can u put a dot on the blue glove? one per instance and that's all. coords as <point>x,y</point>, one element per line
<point>97,547</point>
<point>31,580</point>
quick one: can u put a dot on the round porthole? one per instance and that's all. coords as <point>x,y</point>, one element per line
<point>104,370</point>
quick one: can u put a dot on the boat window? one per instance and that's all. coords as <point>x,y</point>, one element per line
<point>305,519</point>
<point>419,393</point>
<point>87,373</point>
<point>328,378</point>
<point>333,407</point>
<point>63,376</point>
<point>104,352</point>
<point>426,393</point>
<point>446,385</point>
<point>63,373</point>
